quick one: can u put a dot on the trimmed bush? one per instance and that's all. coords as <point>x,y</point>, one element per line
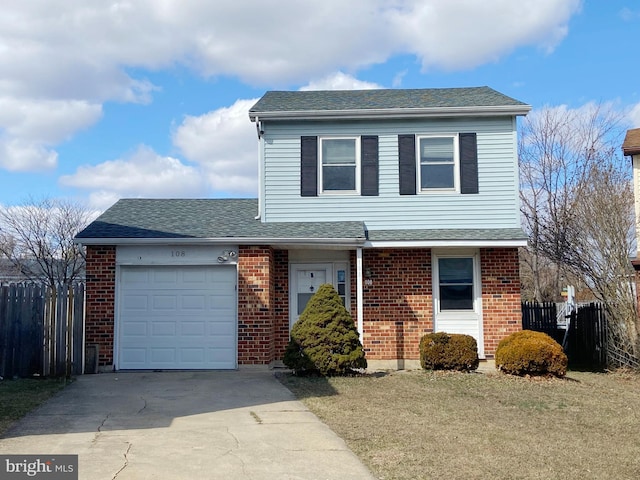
<point>530,353</point>
<point>448,351</point>
<point>325,340</point>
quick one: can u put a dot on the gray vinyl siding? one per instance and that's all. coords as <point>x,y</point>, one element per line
<point>495,206</point>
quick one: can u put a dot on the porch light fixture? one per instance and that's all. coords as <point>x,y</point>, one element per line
<point>226,256</point>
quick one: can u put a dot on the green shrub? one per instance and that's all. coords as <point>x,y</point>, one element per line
<point>448,351</point>
<point>325,339</point>
<point>530,353</point>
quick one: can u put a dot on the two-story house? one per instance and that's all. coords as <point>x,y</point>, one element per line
<point>405,200</point>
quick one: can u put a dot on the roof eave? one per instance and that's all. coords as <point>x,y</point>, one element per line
<point>630,151</point>
<point>391,113</point>
<point>445,243</point>
<point>223,240</point>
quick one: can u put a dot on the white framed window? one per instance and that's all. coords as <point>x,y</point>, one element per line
<point>438,163</point>
<point>456,283</point>
<point>339,164</point>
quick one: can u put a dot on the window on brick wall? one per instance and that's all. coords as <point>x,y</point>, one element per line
<point>455,283</point>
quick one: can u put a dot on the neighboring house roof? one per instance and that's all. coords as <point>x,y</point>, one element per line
<point>281,105</point>
<point>234,221</point>
<point>631,144</point>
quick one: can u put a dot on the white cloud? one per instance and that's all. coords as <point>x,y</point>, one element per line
<point>60,61</point>
<point>462,34</point>
<point>80,49</point>
<point>142,174</point>
<point>30,127</point>
<point>634,116</point>
<point>21,156</point>
<point>340,81</point>
<point>224,144</point>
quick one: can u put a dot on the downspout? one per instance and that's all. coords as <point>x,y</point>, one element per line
<point>359,294</point>
<point>260,131</point>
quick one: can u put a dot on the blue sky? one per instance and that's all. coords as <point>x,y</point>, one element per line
<point>101,100</point>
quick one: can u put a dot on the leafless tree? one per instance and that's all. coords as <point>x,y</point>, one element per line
<point>577,206</point>
<point>37,237</point>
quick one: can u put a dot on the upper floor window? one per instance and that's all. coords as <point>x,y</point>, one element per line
<point>438,162</point>
<point>340,163</point>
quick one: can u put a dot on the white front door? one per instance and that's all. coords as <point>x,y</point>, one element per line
<point>305,281</point>
<point>457,297</point>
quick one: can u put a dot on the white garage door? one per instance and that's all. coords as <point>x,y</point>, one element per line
<point>177,317</point>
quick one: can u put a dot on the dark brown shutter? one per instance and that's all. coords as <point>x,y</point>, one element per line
<point>309,166</point>
<point>407,164</point>
<point>468,163</point>
<point>369,165</point>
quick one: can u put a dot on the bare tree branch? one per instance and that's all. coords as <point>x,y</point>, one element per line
<point>38,239</point>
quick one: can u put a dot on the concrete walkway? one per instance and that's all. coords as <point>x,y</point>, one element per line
<point>185,425</point>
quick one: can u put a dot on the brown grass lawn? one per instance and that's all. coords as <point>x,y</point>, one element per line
<point>418,425</point>
<point>17,397</point>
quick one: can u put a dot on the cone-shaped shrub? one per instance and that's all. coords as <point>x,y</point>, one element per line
<point>448,351</point>
<point>325,340</point>
<point>530,353</point>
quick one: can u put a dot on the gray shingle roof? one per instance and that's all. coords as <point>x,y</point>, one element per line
<point>206,219</point>
<point>385,99</point>
<point>234,219</point>
<point>482,235</point>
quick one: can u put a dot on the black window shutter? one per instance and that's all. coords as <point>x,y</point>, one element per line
<point>309,166</point>
<point>468,163</point>
<point>369,165</point>
<point>407,164</point>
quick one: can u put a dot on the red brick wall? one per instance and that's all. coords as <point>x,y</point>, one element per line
<point>500,295</point>
<point>281,303</point>
<point>100,300</point>
<point>255,305</point>
<point>398,305</point>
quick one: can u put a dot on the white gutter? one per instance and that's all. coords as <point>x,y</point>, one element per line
<point>384,113</point>
<point>259,128</point>
<point>443,243</point>
<point>330,242</point>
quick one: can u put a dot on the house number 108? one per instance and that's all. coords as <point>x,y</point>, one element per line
<point>178,253</point>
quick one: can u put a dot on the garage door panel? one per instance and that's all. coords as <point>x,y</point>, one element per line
<point>134,329</point>
<point>163,329</point>
<point>134,356</point>
<point>177,317</point>
<point>193,302</point>
<point>165,303</point>
<point>135,302</point>
<point>196,329</point>
<point>164,276</point>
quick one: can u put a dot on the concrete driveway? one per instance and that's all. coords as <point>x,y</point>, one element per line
<point>184,425</point>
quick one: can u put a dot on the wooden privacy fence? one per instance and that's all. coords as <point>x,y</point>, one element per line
<point>542,317</point>
<point>41,330</point>
<point>585,343</point>
<point>587,339</point>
